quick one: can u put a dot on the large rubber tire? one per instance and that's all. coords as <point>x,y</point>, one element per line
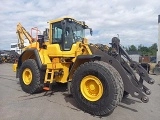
<point>112,88</point>
<point>36,84</point>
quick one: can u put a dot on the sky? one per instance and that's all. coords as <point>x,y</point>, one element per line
<point>134,21</point>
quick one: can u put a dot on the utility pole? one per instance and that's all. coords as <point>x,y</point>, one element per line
<point>158,52</point>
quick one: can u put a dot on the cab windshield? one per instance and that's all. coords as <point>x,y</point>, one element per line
<point>77,31</point>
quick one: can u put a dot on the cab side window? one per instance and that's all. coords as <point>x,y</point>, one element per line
<point>57,33</point>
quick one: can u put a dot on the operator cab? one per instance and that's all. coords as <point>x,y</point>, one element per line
<point>66,32</point>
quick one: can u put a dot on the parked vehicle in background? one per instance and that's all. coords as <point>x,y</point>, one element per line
<point>156,70</point>
<point>15,47</point>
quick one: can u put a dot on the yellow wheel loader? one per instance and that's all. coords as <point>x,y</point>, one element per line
<point>97,75</point>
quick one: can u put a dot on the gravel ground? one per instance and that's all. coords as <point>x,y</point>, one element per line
<point>18,105</point>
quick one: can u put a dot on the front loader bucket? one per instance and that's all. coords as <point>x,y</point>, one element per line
<point>132,84</point>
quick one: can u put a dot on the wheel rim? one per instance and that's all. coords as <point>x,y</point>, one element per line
<point>27,76</point>
<point>91,88</point>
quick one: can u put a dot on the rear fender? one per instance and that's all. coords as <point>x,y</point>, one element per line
<point>30,54</point>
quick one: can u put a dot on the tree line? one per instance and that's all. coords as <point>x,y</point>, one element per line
<point>143,50</point>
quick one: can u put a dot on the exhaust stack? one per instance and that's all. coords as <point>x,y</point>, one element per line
<point>158,52</point>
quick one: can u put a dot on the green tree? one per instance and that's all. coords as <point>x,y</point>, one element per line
<point>132,48</point>
<point>153,49</point>
<point>143,50</point>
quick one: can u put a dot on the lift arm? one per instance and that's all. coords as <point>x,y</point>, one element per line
<point>133,74</point>
<point>137,74</point>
